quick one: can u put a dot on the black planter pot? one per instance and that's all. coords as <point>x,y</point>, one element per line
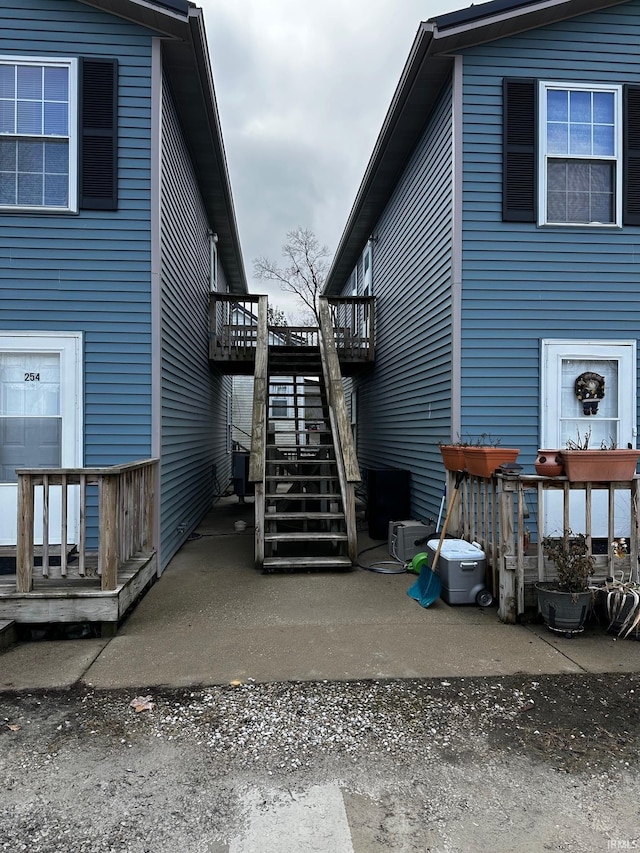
<point>615,626</point>
<point>563,612</point>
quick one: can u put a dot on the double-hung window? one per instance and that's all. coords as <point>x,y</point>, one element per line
<point>38,136</point>
<point>580,154</point>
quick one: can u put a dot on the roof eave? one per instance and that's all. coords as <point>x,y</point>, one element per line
<point>429,64</point>
<point>186,58</point>
<point>419,86</point>
<point>499,21</point>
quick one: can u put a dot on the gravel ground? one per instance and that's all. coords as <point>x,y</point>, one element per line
<point>488,764</point>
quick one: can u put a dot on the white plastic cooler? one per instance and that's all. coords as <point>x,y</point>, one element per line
<point>462,568</point>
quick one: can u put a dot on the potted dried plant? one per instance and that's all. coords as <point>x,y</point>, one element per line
<point>618,599</point>
<point>453,454</point>
<point>604,464</point>
<point>565,602</point>
<point>485,455</point>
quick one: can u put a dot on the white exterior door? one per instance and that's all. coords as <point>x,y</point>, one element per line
<point>40,422</point>
<point>563,418</point>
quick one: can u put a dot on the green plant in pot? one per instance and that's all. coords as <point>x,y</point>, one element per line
<point>618,599</point>
<point>565,603</point>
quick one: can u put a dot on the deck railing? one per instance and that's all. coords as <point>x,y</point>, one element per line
<point>352,318</point>
<point>504,515</point>
<point>125,518</point>
<point>233,328</point>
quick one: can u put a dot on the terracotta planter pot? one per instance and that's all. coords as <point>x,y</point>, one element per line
<point>452,456</point>
<point>600,466</point>
<point>483,461</point>
<point>548,463</point>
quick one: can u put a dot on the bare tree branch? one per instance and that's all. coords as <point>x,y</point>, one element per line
<point>306,269</point>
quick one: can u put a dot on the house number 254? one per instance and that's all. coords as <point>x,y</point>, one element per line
<point>32,377</point>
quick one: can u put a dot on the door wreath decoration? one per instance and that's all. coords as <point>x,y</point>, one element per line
<point>589,389</point>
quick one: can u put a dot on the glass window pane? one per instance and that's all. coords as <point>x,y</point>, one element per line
<point>603,140</point>
<point>579,176</point>
<point>558,139</point>
<point>56,189</point>
<point>602,207</point>
<point>8,153</point>
<point>7,188</point>
<point>30,156</point>
<point>580,139</point>
<point>7,81</point>
<point>557,207</point>
<point>29,383</point>
<point>30,189</point>
<point>30,82</point>
<point>56,158</point>
<point>56,84</point>
<point>580,106</point>
<point>56,119</point>
<point>29,117</point>
<point>603,107</point>
<point>578,207</point>
<point>557,105</point>
<point>557,175</point>
<point>602,177</point>
<point>7,117</point>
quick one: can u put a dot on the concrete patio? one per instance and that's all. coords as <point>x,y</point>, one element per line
<point>212,619</point>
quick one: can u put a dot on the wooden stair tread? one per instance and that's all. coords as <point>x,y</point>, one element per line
<point>306,536</point>
<point>302,516</point>
<point>301,478</point>
<point>307,563</point>
<point>304,496</point>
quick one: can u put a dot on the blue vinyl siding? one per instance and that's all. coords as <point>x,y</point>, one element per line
<point>194,398</point>
<point>404,403</point>
<point>90,272</point>
<point>522,283</point>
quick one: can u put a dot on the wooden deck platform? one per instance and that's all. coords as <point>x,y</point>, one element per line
<point>75,598</point>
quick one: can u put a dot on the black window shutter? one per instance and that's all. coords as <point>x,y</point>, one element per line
<point>631,156</point>
<point>98,175</point>
<point>519,190</point>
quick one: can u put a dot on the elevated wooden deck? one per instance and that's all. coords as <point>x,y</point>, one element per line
<point>233,324</point>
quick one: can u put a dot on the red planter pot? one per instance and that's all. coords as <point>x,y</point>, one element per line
<point>600,466</point>
<point>483,461</point>
<point>452,456</point>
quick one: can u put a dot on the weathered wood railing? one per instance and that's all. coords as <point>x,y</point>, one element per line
<point>233,326</point>
<point>125,517</point>
<point>352,319</point>
<point>346,459</point>
<point>495,513</point>
<point>258,454</point>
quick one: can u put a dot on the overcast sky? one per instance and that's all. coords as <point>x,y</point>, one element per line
<point>303,88</point>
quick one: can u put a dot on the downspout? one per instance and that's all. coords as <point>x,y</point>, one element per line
<point>456,251</point>
<point>156,285</point>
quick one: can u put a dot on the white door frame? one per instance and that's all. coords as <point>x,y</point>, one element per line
<point>552,354</point>
<point>69,345</point>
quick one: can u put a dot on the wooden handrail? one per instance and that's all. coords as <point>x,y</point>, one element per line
<point>352,319</point>
<point>257,455</point>
<point>346,459</point>
<point>125,517</point>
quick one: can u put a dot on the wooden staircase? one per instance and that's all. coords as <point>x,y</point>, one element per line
<point>305,525</point>
<point>302,460</point>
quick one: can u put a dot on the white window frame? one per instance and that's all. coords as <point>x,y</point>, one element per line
<point>213,262</point>
<point>367,273</point>
<point>543,157</point>
<point>72,136</point>
<point>352,283</point>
